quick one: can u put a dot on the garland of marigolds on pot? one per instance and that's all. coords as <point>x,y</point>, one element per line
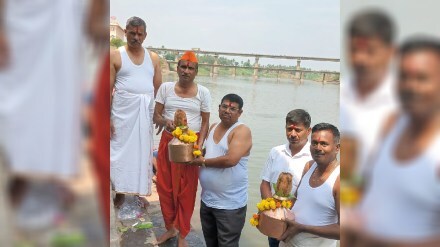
<point>269,204</point>
<point>187,136</point>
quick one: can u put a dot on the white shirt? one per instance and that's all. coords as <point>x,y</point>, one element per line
<point>281,160</point>
<point>363,119</point>
<point>192,106</point>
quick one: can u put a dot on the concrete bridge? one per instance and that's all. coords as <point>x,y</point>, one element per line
<point>299,74</point>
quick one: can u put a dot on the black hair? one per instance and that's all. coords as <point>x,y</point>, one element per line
<point>299,116</point>
<point>329,127</point>
<point>417,43</point>
<point>373,23</point>
<point>136,22</point>
<point>233,98</point>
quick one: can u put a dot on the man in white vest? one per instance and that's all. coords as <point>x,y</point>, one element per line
<point>224,176</point>
<point>317,207</point>
<point>135,76</point>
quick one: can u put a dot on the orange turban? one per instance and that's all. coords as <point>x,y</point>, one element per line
<point>189,56</point>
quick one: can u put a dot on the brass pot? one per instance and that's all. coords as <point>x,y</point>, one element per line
<point>179,152</point>
<point>274,227</point>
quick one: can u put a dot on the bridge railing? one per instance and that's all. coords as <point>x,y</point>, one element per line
<point>278,70</point>
<point>236,54</point>
<point>298,72</point>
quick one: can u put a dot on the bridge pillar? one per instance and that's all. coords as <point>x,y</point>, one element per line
<point>323,77</point>
<point>298,67</point>
<point>176,59</point>
<point>214,69</point>
<point>256,67</point>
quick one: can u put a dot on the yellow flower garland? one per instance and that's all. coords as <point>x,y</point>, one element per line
<point>269,204</point>
<point>188,137</point>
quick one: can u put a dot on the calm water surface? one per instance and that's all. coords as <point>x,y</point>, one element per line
<point>266,103</point>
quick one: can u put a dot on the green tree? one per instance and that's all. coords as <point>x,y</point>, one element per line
<point>117,42</point>
<point>170,56</point>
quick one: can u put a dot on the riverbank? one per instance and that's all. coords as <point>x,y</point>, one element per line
<point>148,237</point>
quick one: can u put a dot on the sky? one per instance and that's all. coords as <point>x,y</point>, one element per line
<point>288,27</point>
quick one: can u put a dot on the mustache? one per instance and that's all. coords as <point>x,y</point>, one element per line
<point>318,152</point>
<point>360,68</point>
<point>408,95</point>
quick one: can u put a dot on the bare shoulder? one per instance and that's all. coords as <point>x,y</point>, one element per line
<point>242,131</point>
<point>212,126</point>
<point>389,123</point>
<point>115,58</point>
<point>307,166</point>
<point>336,186</point>
<point>154,57</point>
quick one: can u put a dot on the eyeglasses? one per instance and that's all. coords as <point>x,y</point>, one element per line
<point>226,107</point>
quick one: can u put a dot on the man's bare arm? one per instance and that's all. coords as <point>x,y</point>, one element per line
<point>240,146</point>
<point>97,23</point>
<point>159,120</point>
<point>329,231</point>
<point>115,65</point>
<point>204,129</point>
<point>265,189</point>
<point>157,79</point>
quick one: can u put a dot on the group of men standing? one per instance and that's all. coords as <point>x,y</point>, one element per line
<point>222,170</point>
<point>135,84</point>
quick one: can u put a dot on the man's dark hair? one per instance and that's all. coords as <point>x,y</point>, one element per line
<point>329,127</point>
<point>420,42</point>
<point>136,22</point>
<point>233,98</point>
<point>372,23</point>
<point>197,65</point>
<point>299,116</point>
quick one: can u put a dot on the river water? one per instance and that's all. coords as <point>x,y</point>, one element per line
<point>266,103</point>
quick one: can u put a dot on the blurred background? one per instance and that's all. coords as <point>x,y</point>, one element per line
<point>53,94</point>
<point>389,117</point>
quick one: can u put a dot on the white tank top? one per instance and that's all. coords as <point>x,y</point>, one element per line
<point>316,206</point>
<point>132,78</point>
<point>403,200</point>
<point>223,188</point>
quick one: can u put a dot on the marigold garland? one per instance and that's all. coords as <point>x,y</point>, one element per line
<point>269,204</point>
<point>187,136</point>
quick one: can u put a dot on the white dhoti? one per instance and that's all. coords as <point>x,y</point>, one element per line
<point>308,240</point>
<point>40,93</point>
<point>131,147</point>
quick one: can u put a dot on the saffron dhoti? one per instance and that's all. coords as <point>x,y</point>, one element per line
<point>177,187</point>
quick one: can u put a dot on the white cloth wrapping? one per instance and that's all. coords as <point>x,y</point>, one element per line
<point>40,93</point>
<point>304,239</point>
<point>131,147</point>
